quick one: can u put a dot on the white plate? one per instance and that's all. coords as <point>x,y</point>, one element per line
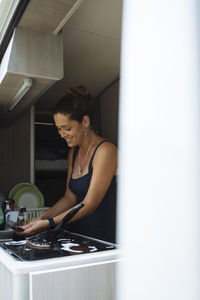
<point>28,196</point>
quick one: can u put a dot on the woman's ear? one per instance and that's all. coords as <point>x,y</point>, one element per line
<point>86,121</point>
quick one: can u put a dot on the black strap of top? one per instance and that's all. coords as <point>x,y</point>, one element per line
<point>91,160</point>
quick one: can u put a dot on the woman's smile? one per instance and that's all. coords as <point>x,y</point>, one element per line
<point>68,140</point>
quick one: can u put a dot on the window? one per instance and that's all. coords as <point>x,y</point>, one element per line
<point>7,10</point>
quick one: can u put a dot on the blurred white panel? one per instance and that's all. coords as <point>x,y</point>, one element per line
<point>159,212</point>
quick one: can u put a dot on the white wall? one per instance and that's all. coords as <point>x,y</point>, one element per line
<point>159,195</point>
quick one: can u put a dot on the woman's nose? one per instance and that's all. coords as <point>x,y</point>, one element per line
<point>62,133</point>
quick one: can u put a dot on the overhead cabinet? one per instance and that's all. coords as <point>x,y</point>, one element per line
<point>33,55</point>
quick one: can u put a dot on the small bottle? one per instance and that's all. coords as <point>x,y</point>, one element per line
<point>2,213</point>
<point>7,205</point>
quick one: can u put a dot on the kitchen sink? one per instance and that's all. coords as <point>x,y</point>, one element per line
<point>6,234</point>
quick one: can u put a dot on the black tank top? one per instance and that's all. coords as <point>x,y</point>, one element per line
<point>101,223</point>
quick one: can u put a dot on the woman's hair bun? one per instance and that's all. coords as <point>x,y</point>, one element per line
<point>81,90</point>
<point>77,102</point>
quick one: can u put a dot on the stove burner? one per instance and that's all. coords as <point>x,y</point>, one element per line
<point>38,244</point>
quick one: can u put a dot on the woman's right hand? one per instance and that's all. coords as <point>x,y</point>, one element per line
<point>34,227</point>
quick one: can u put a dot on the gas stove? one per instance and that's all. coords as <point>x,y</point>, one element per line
<point>63,244</point>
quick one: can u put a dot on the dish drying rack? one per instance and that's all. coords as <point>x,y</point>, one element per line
<point>32,213</point>
<point>29,214</point>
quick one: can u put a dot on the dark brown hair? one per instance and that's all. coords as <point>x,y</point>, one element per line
<point>77,103</point>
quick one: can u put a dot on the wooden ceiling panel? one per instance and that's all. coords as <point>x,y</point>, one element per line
<point>92,38</point>
<point>97,59</point>
<point>91,60</point>
<point>99,16</point>
<point>45,15</point>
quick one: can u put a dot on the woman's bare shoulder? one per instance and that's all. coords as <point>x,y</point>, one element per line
<point>106,149</point>
<point>107,145</point>
<point>105,159</point>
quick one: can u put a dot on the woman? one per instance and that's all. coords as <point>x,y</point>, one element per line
<point>92,168</point>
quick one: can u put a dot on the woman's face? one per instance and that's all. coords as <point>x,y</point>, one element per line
<point>70,130</point>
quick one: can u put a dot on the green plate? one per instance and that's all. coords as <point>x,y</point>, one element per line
<point>18,186</point>
<point>28,196</point>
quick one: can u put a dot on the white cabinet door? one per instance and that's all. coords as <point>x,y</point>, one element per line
<point>5,283</point>
<point>13,286</point>
<point>90,282</point>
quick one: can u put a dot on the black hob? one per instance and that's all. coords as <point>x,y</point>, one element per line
<point>64,244</point>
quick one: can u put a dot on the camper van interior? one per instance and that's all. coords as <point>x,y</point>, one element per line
<point>47,47</point>
<point>56,44</point>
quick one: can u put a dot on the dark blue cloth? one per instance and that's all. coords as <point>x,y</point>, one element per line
<point>101,223</point>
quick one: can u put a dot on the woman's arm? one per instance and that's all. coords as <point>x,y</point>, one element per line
<point>64,204</point>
